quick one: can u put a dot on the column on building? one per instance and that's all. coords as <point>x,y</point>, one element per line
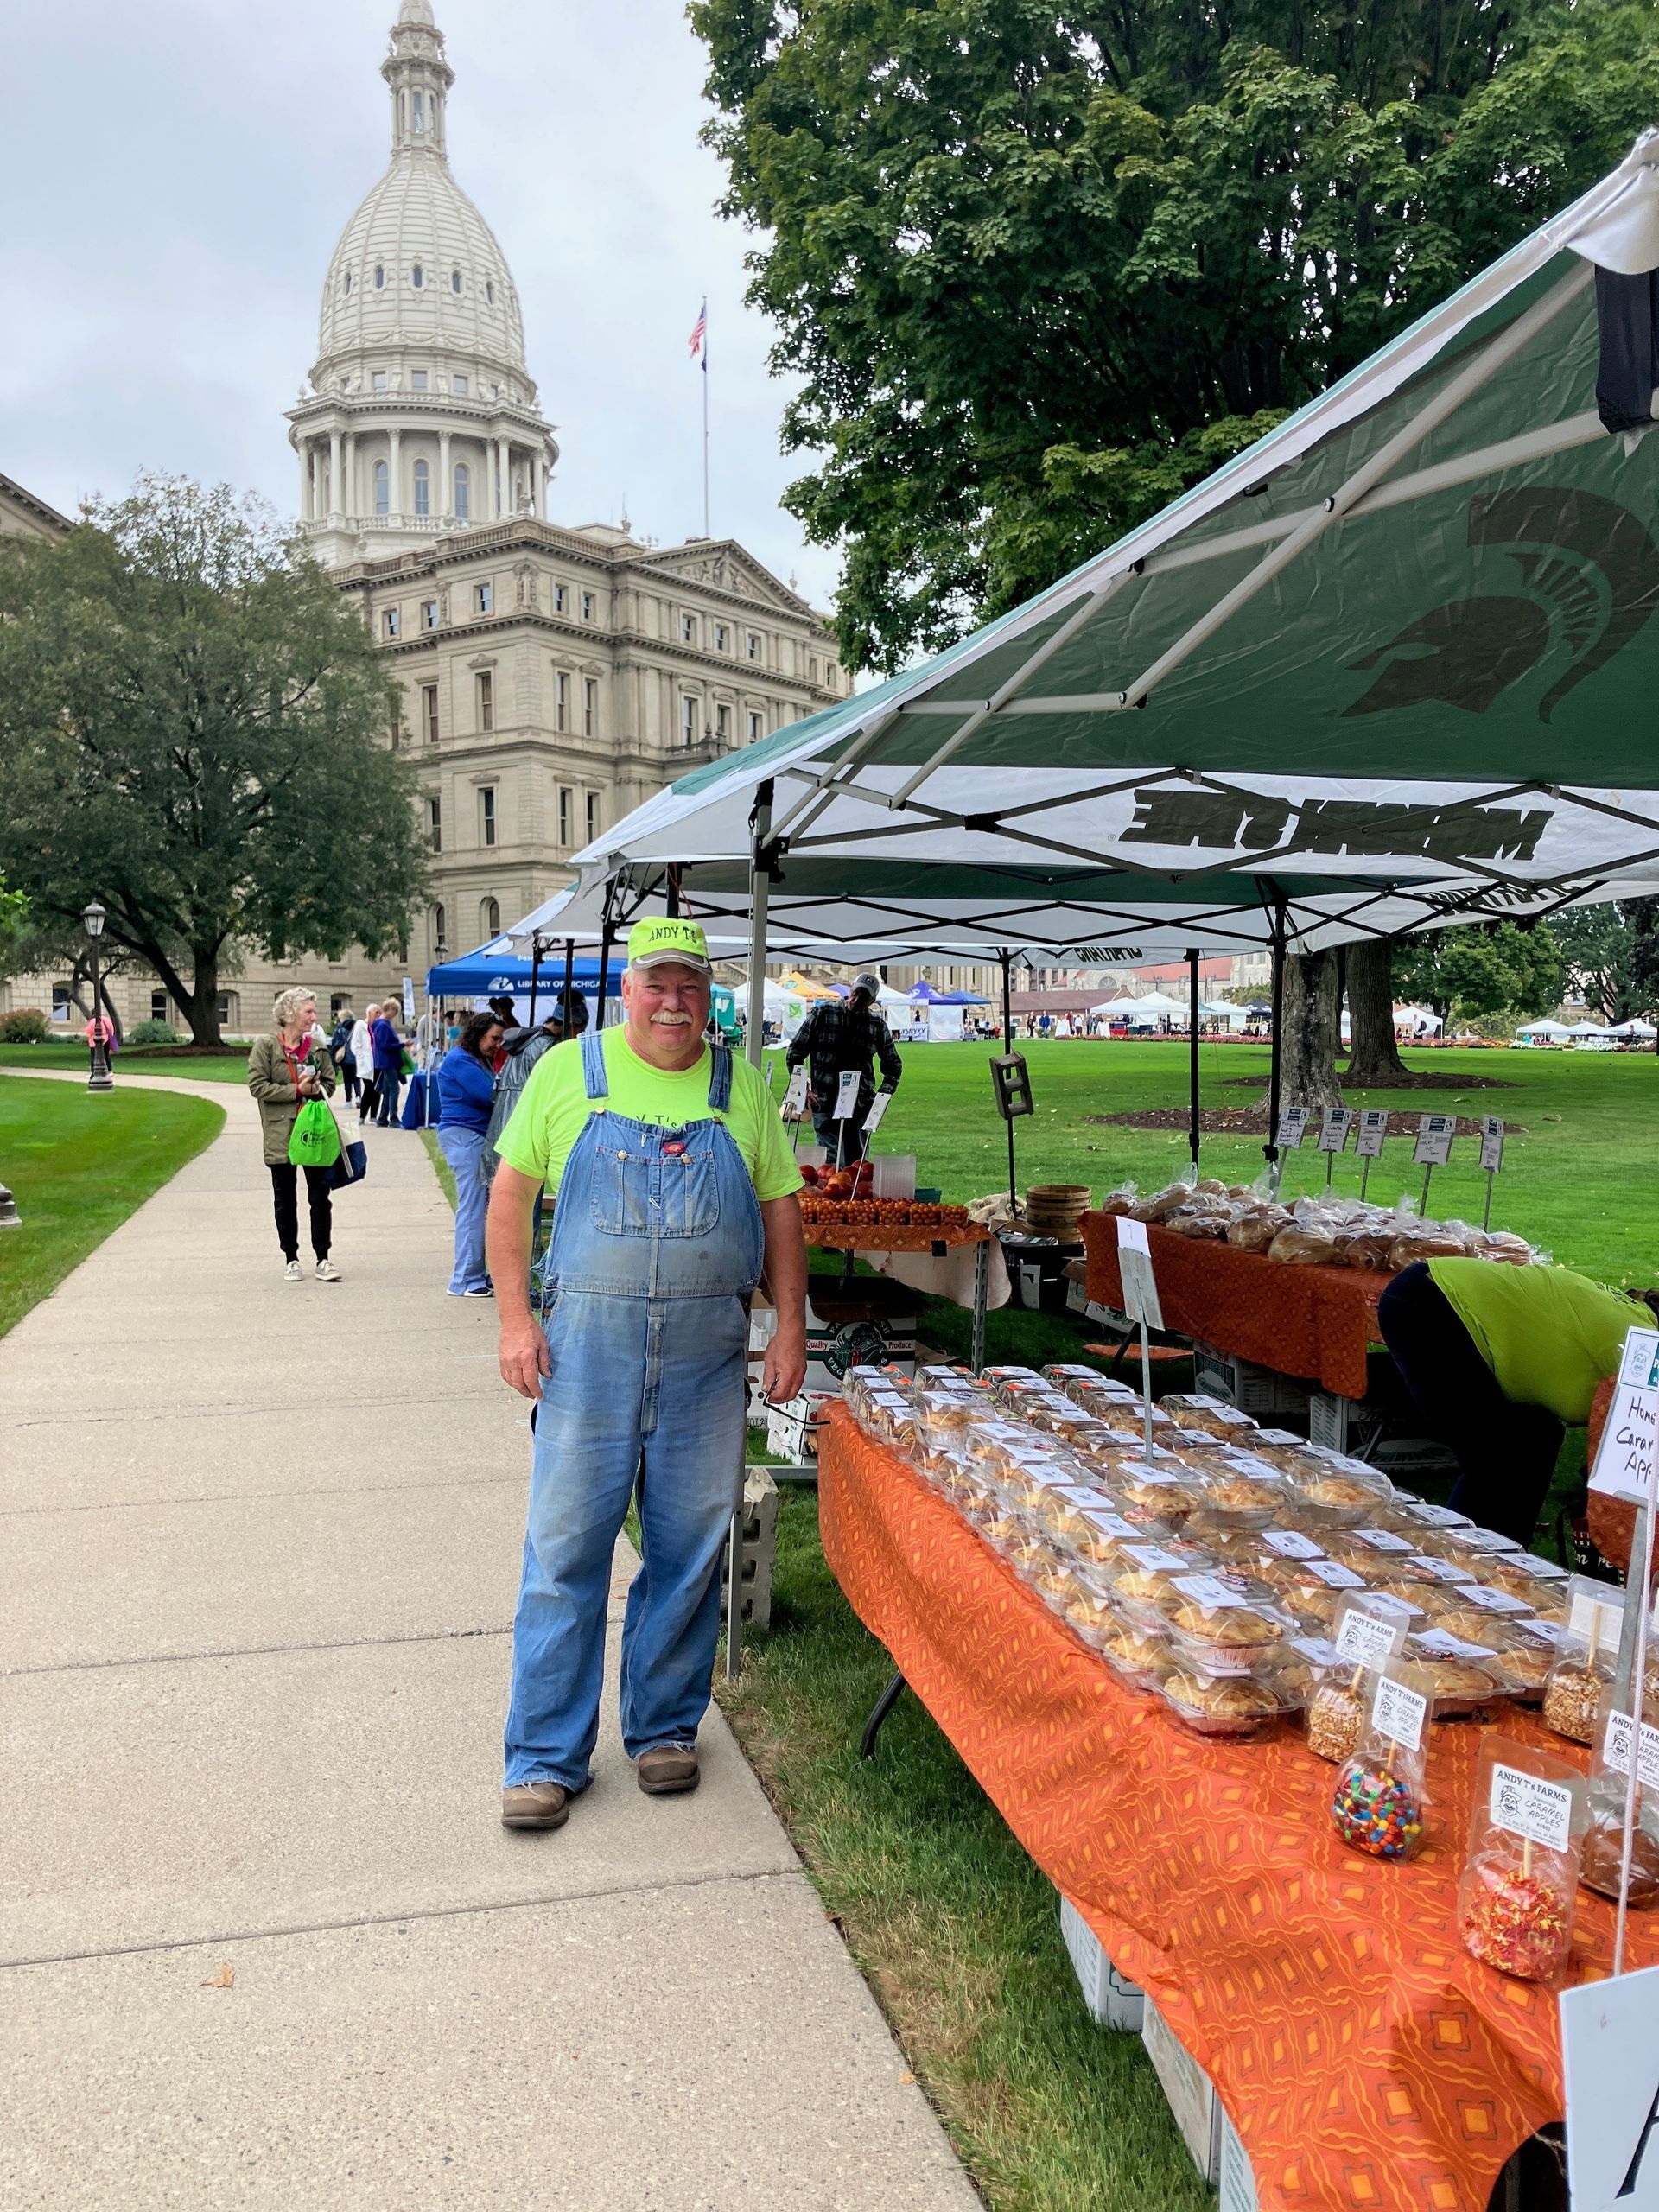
<point>395,470</point>
<point>446,477</point>
<point>336,504</point>
<point>503,478</point>
<point>541,485</point>
<point>348,474</point>
<point>307,501</point>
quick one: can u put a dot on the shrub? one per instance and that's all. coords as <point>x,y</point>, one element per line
<point>153,1032</point>
<point>25,1025</point>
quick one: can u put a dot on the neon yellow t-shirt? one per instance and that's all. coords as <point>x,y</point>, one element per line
<point>554,1105</point>
<point>1549,1334</point>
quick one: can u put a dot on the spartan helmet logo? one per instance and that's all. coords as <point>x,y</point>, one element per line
<point>1594,570</point>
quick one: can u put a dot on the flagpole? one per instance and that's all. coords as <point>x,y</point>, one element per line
<point>706,530</point>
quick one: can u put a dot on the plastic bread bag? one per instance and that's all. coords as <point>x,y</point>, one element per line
<point>1380,1805</point>
<point>1584,1666</point>
<point>1362,1637</point>
<point>1121,1200</point>
<point>1520,1878</point>
<point>1616,1741</point>
<point>1254,1228</point>
<point>1296,1246</point>
<point>1162,1203</point>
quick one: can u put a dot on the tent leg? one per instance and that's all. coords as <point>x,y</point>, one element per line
<point>605,937</point>
<point>1192,1072</point>
<point>1271,1147</point>
<point>1007,1046</point>
<point>535,977</point>
<point>570,980</point>
<point>878,1712</point>
<point>753,1042</point>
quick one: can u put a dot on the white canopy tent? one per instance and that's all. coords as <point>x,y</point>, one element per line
<point>1634,1028</point>
<point>1543,1029</point>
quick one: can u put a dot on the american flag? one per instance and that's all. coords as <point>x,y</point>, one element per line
<point>700,336</point>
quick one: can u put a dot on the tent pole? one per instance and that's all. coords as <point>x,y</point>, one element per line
<point>1271,1147</point>
<point>604,964</point>
<point>569,979</point>
<point>1007,1046</point>
<point>1192,1069</point>
<point>753,1041</point>
<point>535,974</point>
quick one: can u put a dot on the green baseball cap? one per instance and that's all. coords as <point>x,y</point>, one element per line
<point>655,943</point>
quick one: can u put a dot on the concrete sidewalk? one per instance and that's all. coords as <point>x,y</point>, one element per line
<point>263,1941</point>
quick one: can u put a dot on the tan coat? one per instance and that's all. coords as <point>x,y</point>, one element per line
<point>272,1084</point>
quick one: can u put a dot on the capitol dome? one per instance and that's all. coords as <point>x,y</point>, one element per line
<point>422,414</point>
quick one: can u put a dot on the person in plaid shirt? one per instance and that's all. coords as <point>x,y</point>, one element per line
<point>839,1034</point>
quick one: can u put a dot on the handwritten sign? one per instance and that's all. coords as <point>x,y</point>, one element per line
<point>1362,1636</point>
<point>794,1104</point>
<point>1134,1267</point>
<point>1435,1135</point>
<point>847,1095</point>
<point>1399,1714</point>
<point>1334,1125</point>
<point>879,1106</point>
<point>1526,1805</point>
<point>1292,1127</point>
<point>1615,1749</point>
<point>1624,1457</point>
<point>1373,1127</point>
<point>1492,1142</point>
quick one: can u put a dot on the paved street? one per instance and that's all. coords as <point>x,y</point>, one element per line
<point>259,1550</point>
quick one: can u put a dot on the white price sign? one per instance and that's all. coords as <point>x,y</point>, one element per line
<point>1443,1570</point>
<point>1362,1637</point>
<point>1334,1125</point>
<point>879,1106</point>
<point>1493,1601</point>
<point>1134,1267</point>
<point>1610,2048</point>
<point>794,1104</point>
<point>1334,1574</point>
<point>1615,1749</point>
<point>1492,1142</point>
<point>1399,1714</point>
<point>1292,1127</point>
<point>1435,1135</point>
<point>1624,1457</point>
<point>1383,1539</point>
<point>1440,1643</point>
<point>1526,1805</point>
<point>1291,1543</point>
<point>1598,1622</point>
<point>1373,1127</point>
<point>1155,1559</point>
<point>847,1095</point>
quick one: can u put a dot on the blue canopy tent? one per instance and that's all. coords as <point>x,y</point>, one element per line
<point>487,973</point>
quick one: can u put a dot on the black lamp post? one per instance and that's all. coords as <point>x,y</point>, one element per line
<point>434,1036</point>
<point>92,918</point>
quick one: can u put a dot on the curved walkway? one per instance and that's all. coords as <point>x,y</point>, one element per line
<point>263,1941</point>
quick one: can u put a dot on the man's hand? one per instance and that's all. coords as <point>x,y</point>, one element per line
<point>524,1354</point>
<point>784,1370</point>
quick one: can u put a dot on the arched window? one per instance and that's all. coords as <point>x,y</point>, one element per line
<point>382,488</point>
<point>489,917</point>
<point>422,488</point>
<point>440,928</point>
<point>420,111</point>
<point>345,281</point>
<point>416,277</point>
<point>455,280</point>
<point>489,293</point>
<point>379,277</point>
<point>463,491</point>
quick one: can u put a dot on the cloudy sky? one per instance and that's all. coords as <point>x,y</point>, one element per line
<point>177,173</point>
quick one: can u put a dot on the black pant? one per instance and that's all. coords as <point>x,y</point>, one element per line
<point>828,1132</point>
<point>348,1077</point>
<point>284,1192</point>
<point>386,1085</point>
<point>1506,1452</point>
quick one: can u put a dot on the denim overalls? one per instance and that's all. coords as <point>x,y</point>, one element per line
<point>656,1249</point>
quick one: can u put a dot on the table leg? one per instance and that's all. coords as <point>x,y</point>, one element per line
<point>981,1293</point>
<point>878,1712</point>
<point>734,1567</point>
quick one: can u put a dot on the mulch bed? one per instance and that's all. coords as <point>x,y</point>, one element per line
<point>1252,1121</point>
<point>1414,1079</point>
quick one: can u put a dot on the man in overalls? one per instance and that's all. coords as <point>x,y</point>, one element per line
<point>676,1192</point>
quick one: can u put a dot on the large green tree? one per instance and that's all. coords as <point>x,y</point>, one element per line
<point>1037,268</point>
<point>1608,951</point>
<point>192,726</point>
<point>1480,970</point>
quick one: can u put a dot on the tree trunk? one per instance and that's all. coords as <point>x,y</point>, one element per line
<point>201,1007</point>
<point>1373,1058</point>
<point>1308,1050</point>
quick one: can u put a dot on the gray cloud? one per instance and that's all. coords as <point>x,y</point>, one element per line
<point>176,176</point>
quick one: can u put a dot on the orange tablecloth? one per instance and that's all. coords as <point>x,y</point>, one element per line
<point>1369,2063</point>
<point>1313,1322</point>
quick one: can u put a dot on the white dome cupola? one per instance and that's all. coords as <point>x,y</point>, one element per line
<point>421,416</point>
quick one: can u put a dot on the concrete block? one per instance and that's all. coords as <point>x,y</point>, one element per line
<point>760,1547</point>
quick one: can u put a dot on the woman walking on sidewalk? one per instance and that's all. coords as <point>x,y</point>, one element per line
<point>285,1069</point>
<point>466,1090</point>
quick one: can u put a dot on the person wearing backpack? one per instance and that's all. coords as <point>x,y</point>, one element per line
<point>339,1051</point>
<point>286,1068</point>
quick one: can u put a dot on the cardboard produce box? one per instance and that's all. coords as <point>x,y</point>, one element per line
<point>1115,2001</point>
<point>792,1429</point>
<point>1193,2103</point>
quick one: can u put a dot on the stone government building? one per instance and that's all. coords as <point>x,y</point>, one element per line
<point>552,676</point>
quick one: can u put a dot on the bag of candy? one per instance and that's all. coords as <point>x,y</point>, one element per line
<point>1583,1665</point>
<point>1380,1805</point>
<point>1338,1708</point>
<point>1514,1902</point>
<point>1617,1739</point>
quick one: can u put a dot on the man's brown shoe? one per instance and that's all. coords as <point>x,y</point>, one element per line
<point>535,1805</point>
<point>666,1768</point>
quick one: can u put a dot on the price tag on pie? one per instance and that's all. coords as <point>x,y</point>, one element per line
<point>1362,1637</point>
<point>1435,1135</point>
<point>1615,1749</point>
<point>1210,1591</point>
<point>1488,1539</point>
<point>1546,1570</point>
<point>1433,1517</point>
<point>1292,1127</point>
<point>1109,1524</point>
<point>1291,1543</point>
<point>1334,1125</point>
<point>1525,1804</point>
<point>1318,1649</point>
<point>1383,1539</point>
<point>1334,1574</point>
<point>1495,1601</point>
<point>1440,1643</point>
<point>1557,1634</point>
<point>1443,1570</point>
<point>1155,1558</point>
<point>794,1104</point>
<point>1373,1127</point>
<point>879,1106</point>
<point>1399,1714</point>
<point>1492,1142</point>
<point>847,1095</point>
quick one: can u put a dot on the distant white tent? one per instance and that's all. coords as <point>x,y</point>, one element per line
<point>1634,1028</point>
<point>1543,1029</point>
<point>1417,1020</point>
<point>1152,1007</point>
<point>1588,1029</point>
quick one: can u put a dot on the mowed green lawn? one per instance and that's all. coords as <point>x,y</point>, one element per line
<point>78,1165</point>
<point>1576,1178</point>
<point>193,1067</point>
